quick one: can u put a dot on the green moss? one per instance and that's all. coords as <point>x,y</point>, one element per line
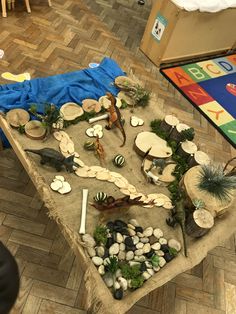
<point>130,272</point>
<point>154,260</point>
<point>137,282</point>
<point>100,234</point>
<point>112,265</point>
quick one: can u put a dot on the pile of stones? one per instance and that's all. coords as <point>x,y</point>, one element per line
<point>130,244</point>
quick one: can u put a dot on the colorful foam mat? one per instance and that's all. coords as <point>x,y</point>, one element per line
<point>210,86</point>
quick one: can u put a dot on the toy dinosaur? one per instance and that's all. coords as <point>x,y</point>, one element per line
<point>114,118</point>
<point>178,216</point>
<point>124,202</point>
<point>99,150</point>
<point>54,158</point>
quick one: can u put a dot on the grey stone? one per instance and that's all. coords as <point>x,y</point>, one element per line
<point>138,252</point>
<point>108,280</point>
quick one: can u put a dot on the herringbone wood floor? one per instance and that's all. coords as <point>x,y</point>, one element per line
<point>62,39</point>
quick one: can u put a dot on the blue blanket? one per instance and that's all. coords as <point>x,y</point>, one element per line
<point>59,89</point>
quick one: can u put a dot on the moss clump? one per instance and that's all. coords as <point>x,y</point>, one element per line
<point>100,234</point>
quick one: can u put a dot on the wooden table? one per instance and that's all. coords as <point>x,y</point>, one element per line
<point>65,210</point>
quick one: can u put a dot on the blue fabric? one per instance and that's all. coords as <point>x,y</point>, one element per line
<point>62,88</point>
<point>59,89</point>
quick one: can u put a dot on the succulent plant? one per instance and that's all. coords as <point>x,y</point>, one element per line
<point>213,180</point>
<point>198,203</point>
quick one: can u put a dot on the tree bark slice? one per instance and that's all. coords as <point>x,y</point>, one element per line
<point>176,133</point>
<point>147,140</point>
<point>186,149</point>
<point>190,183</point>
<point>17,117</point>
<point>199,158</point>
<point>169,123</point>
<point>199,223</point>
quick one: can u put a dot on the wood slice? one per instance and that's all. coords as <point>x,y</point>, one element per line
<point>199,223</point>
<point>70,111</point>
<point>35,130</point>
<point>17,117</point>
<point>169,123</point>
<point>129,100</point>
<point>199,158</point>
<point>91,105</point>
<point>124,81</point>
<point>187,148</point>
<point>176,133</point>
<point>147,140</point>
<point>190,184</point>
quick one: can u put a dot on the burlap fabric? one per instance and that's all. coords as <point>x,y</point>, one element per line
<point>66,209</point>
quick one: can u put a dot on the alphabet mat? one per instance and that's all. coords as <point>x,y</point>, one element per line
<point>210,86</point>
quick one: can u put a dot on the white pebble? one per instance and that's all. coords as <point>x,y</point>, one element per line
<point>131,226</point>
<point>134,222</point>
<point>91,251</point>
<point>162,241</point>
<point>144,240</point>
<point>114,249</point>
<point>148,264</point>
<point>146,248</point>
<point>148,232</point>
<point>106,261</point>
<point>139,245</point>
<point>158,233</point>
<point>122,247</point>
<point>118,273</point>
<point>162,261</point>
<point>135,239</point>
<point>119,238</point>
<point>100,251</point>
<point>150,271</point>
<point>146,275</point>
<point>123,283</point>
<point>138,252</point>
<point>140,258</point>
<point>174,244</point>
<point>121,255</point>
<point>116,285</point>
<point>101,270</point>
<point>140,234</point>
<point>156,269</point>
<point>131,232</point>
<point>132,263</point>
<point>129,255</point>
<point>156,246</point>
<point>88,240</point>
<point>160,253</point>
<point>97,260</point>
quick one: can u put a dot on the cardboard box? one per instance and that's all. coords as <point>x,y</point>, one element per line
<point>173,34</point>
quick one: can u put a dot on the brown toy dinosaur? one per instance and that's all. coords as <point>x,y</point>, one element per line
<point>99,150</point>
<point>115,117</point>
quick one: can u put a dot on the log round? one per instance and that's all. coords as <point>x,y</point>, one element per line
<point>190,184</point>
<point>169,123</point>
<point>199,158</point>
<point>199,223</point>
<point>17,117</point>
<point>35,130</point>
<point>176,133</point>
<point>147,140</point>
<point>186,149</point>
<point>166,175</point>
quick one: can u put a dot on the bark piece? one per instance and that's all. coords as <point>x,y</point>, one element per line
<point>70,111</point>
<point>199,223</point>
<point>35,130</point>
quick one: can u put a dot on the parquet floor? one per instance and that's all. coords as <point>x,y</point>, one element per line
<point>60,39</point>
